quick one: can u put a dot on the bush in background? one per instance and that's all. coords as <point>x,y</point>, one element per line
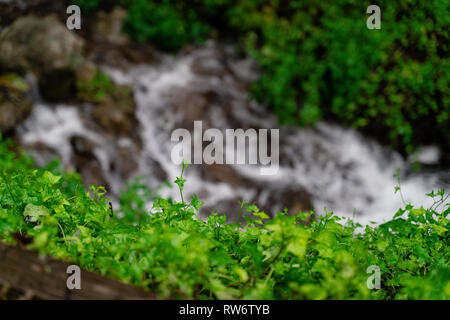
<point>320,60</point>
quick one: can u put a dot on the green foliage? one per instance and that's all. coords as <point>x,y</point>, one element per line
<point>177,255</point>
<point>133,201</point>
<point>96,89</point>
<point>168,24</point>
<point>13,81</point>
<point>320,60</point>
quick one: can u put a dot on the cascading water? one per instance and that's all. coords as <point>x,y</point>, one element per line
<point>342,170</point>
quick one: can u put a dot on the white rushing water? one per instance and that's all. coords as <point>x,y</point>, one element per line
<point>342,170</point>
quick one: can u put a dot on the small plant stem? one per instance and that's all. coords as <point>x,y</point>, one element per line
<point>64,236</point>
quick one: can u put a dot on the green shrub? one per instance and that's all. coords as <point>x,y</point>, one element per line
<point>177,255</point>
<point>133,201</point>
<point>320,60</point>
<point>168,24</point>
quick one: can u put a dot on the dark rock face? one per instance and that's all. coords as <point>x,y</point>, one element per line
<point>10,11</point>
<point>86,71</point>
<point>107,45</point>
<point>294,200</point>
<point>41,153</point>
<point>116,113</point>
<point>269,198</point>
<point>191,105</point>
<point>127,158</point>
<point>208,67</point>
<point>108,27</point>
<point>86,162</point>
<point>57,85</point>
<point>224,173</point>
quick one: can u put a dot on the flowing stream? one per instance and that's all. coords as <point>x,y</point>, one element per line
<point>342,170</point>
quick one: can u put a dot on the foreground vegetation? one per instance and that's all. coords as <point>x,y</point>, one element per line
<point>173,253</point>
<point>319,60</point>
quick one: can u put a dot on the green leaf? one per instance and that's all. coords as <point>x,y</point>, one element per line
<point>261,214</point>
<point>50,178</point>
<point>251,208</point>
<point>418,212</point>
<point>34,212</point>
<point>180,182</point>
<point>195,203</point>
<point>243,275</point>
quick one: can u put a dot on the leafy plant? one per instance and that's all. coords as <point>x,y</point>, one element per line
<point>177,255</point>
<point>13,81</point>
<point>168,24</point>
<point>320,61</point>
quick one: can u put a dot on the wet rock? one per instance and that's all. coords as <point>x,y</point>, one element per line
<point>208,66</point>
<point>91,171</point>
<point>45,47</point>
<point>86,163</point>
<point>139,53</point>
<point>86,72</point>
<point>15,106</point>
<point>41,45</point>
<point>219,61</point>
<point>295,200</point>
<point>57,85</point>
<point>216,95</point>
<point>224,173</point>
<point>128,155</point>
<point>121,57</point>
<point>13,9</point>
<point>189,107</point>
<point>156,171</point>
<point>116,113</point>
<point>42,153</point>
<point>108,27</point>
<point>228,207</point>
<point>108,45</point>
<point>82,146</point>
<point>269,198</point>
<point>207,103</point>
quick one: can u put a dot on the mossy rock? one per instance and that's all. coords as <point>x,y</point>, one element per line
<point>116,112</point>
<point>14,103</point>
